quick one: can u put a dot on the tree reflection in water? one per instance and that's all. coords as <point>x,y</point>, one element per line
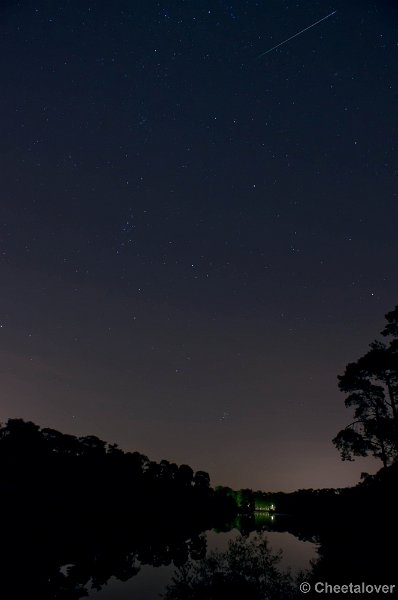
<point>249,569</point>
<point>77,511</point>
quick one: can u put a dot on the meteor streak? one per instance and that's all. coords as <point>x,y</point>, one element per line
<point>296,34</point>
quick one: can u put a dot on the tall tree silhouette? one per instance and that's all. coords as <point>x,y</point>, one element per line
<point>372,386</point>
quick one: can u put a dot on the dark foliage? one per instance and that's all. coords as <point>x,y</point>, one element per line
<point>372,387</point>
<point>87,504</point>
<point>354,529</point>
<point>249,569</point>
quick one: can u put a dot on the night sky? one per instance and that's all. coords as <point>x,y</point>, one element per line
<point>195,241</point>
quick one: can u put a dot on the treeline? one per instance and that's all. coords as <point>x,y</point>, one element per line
<point>366,510</point>
<point>379,490</point>
<point>82,502</point>
<point>87,475</point>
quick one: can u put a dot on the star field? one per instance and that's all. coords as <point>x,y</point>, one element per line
<point>193,241</point>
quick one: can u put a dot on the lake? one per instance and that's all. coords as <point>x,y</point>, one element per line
<point>152,581</point>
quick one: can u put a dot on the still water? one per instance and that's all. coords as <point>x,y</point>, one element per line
<point>152,581</point>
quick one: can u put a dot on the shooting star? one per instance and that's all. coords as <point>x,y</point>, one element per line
<point>296,34</point>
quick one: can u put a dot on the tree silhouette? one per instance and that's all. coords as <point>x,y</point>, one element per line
<point>84,510</point>
<point>202,480</point>
<point>372,386</point>
<point>248,569</point>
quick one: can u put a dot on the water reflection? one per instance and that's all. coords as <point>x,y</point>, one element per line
<point>248,569</point>
<point>263,518</point>
<point>215,554</point>
<point>80,514</point>
<point>138,561</point>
